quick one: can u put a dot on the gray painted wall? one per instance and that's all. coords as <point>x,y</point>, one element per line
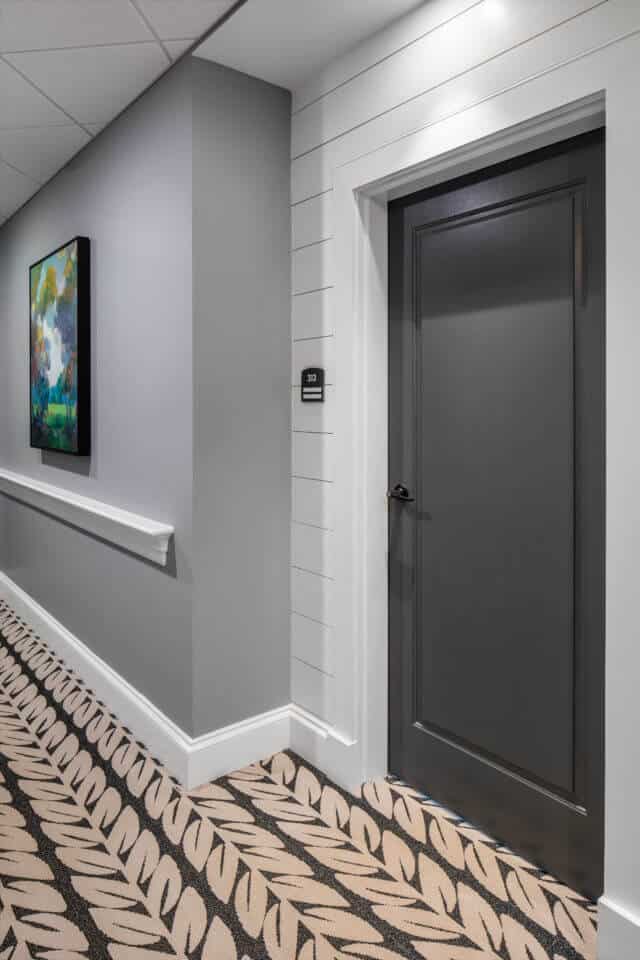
<point>131,192</point>
<point>186,201</point>
<point>241,290</point>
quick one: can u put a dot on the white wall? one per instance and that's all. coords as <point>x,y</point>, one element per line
<point>415,83</point>
<point>426,67</point>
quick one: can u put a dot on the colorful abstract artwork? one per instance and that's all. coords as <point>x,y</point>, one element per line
<point>60,361</point>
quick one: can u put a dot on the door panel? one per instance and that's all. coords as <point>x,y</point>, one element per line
<point>496,571</point>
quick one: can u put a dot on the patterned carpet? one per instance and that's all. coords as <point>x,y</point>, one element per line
<point>103,855</point>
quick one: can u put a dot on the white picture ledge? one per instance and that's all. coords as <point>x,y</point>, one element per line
<point>146,538</point>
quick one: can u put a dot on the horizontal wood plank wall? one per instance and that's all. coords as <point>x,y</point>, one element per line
<point>445,57</point>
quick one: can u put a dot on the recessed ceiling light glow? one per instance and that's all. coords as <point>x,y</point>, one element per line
<point>494,9</point>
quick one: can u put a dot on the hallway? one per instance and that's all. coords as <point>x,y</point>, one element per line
<point>318,480</point>
<point>105,855</point>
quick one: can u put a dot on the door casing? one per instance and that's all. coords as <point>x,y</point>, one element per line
<point>360,589</point>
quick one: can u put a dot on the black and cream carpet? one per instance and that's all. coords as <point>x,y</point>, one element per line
<point>102,855</point>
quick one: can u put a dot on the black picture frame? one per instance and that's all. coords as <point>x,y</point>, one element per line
<point>83,350</point>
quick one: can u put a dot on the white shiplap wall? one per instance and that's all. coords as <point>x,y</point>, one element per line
<point>400,95</point>
<point>432,64</point>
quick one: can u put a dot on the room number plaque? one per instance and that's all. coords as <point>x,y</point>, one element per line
<point>313,385</point>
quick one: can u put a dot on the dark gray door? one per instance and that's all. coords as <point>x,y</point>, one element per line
<point>497,566</point>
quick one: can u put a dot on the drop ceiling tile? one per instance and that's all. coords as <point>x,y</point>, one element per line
<point>183,18</point>
<point>45,24</point>
<point>21,105</point>
<point>40,151</point>
<point>15,189</point>
<point>93,83</point>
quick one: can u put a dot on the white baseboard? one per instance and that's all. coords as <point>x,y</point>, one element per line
<point>149,725</point>
<point>192,760</point>
<point>618,931</point>
<point>323,746</point>
<point>230,748</point>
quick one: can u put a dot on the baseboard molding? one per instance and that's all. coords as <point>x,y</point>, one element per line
<point>192,760</point>
<point>618,931</point>
<point>322,745</point>
<point>149,725</point>
<point>229,748</point>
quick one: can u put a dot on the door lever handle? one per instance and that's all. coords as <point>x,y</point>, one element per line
<point>400,492</point>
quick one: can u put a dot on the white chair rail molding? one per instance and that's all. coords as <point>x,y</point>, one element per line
<point>139,535</point>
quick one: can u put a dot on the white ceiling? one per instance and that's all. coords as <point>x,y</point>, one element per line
<point>286,41</point>
<point>68,67</point>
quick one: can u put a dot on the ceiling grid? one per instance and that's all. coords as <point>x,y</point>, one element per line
<point>68,67</point>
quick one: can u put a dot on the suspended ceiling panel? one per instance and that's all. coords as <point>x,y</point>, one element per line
<point>68,67</point>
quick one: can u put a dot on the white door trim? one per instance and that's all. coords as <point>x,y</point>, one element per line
<point>362,190</point>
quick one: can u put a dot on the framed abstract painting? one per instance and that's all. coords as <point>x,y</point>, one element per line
<point>60,351</point>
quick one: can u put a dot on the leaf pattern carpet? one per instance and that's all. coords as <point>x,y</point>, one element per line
<point>103,855</point>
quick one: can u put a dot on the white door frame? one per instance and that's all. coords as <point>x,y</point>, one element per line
<point>362,365</point>
<point>559,104</point>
